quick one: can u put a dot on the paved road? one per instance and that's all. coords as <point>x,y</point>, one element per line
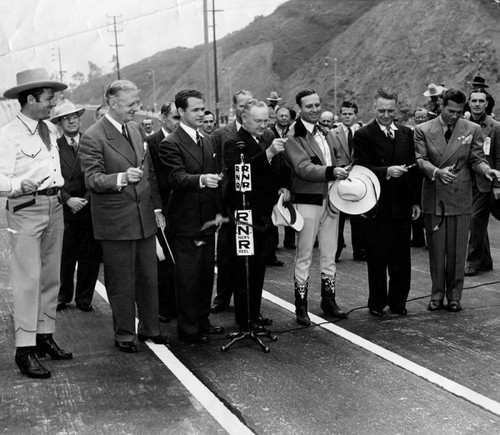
<point>313,380</point>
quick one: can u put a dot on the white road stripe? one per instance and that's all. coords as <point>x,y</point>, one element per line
<point>422,372</point>
<point>210,402</point>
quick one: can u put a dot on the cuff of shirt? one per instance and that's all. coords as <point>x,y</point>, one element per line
<point>119,180</point>
<point>202,186</point>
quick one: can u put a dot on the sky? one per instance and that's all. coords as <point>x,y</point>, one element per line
<point>33,32</point>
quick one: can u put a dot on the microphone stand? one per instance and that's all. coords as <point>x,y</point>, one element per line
<point>252,332</point>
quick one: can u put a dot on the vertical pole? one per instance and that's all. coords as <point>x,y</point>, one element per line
<point>116,47</point>
<point>335,85</point>
<point>207,60</point>
<point>60,63</point>
<point>154,92</point>
<point>216,82</point>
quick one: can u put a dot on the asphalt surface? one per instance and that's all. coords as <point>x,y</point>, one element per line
<point>313,381</point>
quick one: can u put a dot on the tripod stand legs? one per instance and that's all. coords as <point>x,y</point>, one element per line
<point>252,335</point>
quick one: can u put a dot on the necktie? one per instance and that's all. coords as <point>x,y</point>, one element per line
<point>317,129</point>
<point>74,145</point>
<point>43,131</point>
<point>124,133</point>
<point>198,140</point>
<point>447,134</point>
<point>390,133</point>
<point>349,139</point>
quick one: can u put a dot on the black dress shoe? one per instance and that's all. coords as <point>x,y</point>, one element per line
<point>61,306</point>
<point>264,321</point>
<point>194,339</point>
<point>158,339</point>
<point>454,307</point>
<point>377,313</point>
<point>470,271</point>
<point>45,344</point>
<point>126,346</point>
<point>217,308</point>
<point>85,307</point>
<point>275,262</point>
<point>486,268</point>
<point>401,312</point>
<point>29,365</point>
<point>435,305</point>
<point>212,330</point>
<point>164,319</point>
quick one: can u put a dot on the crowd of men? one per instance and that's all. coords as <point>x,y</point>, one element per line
<point>150,205</point>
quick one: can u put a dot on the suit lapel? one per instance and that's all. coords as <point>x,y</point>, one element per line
<point>454,144</point>
<point>341,137</point>
<point>118,143</point>
<point>190,146</point>
<point>381,141</point>
<point>436,136</point>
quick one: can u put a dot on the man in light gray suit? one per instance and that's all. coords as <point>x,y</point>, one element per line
<point>447,149</point>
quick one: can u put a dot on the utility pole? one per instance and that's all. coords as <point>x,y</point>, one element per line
<point>216,80</point>
<point>61,72</point>
<point>152,75</point>
<point>208,93</point>
<point>116,45</point>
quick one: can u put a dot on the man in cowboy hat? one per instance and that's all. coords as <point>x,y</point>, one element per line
<point>387,149</point>
<point>79,244</point>
<point>434,93</point>
<point>30,176</point>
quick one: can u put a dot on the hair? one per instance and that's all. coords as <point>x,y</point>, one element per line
<point>293,114</point>
<point>22,97</point>
<point>420,109</point>
<point>454,95</point>
<point>181,98</point>
<point>207,112</point>
<point>147,119</point>
<point>304,93</point>
<point>241,92</point>
<point>282,108</point>
<point>479,91</point>
<point>252,103</point>
<point>118,86</point>
<point>167,108</point>
<point>386,94</point>
<point>349,105</point>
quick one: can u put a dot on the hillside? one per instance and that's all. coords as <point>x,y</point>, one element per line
<point>400,43</point>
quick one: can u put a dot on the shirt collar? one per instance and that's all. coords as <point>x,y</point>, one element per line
<point>32,124</point>
<point>165,131</point>
<point>190,131</point>
<point>117,125</point>
<point>308,126</point>
<point>384,128</point>
<point>445,126</point>
<point>76,138</point>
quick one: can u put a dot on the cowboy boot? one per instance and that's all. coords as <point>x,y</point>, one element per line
<point>328,304</point>
<point>301,303</point>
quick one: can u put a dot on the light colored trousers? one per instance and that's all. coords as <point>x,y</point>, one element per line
<point>322,222</point>
<point>37,234</point>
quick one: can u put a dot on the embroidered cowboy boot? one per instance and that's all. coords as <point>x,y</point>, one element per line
<point>328,304</point>
<point>301,303</point>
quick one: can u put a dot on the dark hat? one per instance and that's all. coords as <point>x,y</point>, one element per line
<point>494,206</point>
<point>478,82</point>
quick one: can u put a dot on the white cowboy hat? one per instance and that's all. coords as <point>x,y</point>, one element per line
<point>63,108</point>
<point>357,194</point>
<point>32,79</point>
<point>285,214</point>
<point>433,90</point>
<point>273,96</point>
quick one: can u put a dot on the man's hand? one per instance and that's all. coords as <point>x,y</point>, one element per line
<point>30,186</point>
<point>210,180</point>
<point>340,173</point>
<point>160,220</point>
<point>76,204</point>
<point>491,174</point>
<point>133,175</point>
<point>277,146</point>
<point>415,212</point>
<point>286,194</point>
<point>446,175</point>
<point>396,171</point>
<point>496,193</point>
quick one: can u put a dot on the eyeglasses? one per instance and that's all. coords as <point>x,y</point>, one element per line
<point>70,118</point>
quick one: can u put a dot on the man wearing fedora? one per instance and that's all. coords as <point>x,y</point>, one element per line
<point>480,83</point>
<point>448,149</point>
<point>478,251</point>
<point>126,213</point>
<point>387,149</point>
<point>312,158</point>
<point>30,176</point>
<point>79,244</point>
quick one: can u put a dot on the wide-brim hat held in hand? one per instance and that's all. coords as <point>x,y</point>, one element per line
<point>357,194</point>
<point>285,214</point>
<point>33,79</point>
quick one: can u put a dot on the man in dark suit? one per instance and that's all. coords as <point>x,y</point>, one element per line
<point>343,140</point>
<point>448,149</point>
<point>188,159</point>
<point>258,153</point>
<point>126,211</point>
<point>387,149</point>
<point>478,252</point>
<point>79,244</point>
<point>169,119</point>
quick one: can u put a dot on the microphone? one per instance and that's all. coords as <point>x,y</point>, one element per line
<point>240,145</point>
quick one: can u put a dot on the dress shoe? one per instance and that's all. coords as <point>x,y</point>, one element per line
<point>157,339</point>
<point>61,306</point>
<point>435,305</point>
<point>164,319</point>
<point>401,312</point>
<point>264,321</point>
<point>218,308</point>
<point>29,365</point>
<point>194,339</point>
<point>470,271</point>
<point>275,262</point>
<point>85,307</point>
<point>290,246</point>
<point>454,307</point>
<point>212,330</point>
<point>45,344</point>
<point>486,268</point>
<point>377,313</point>
<point>126,346</point>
